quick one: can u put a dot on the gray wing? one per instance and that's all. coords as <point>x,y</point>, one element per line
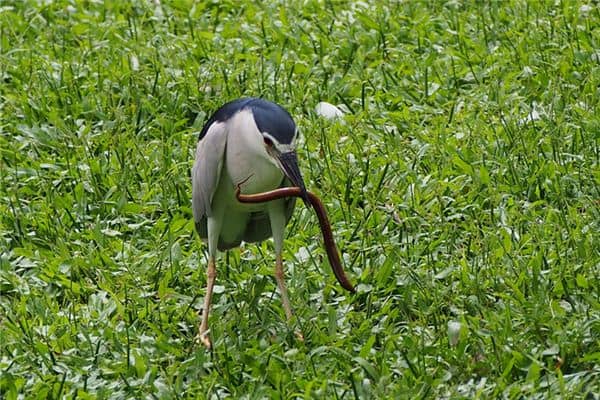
<point>206,172</point>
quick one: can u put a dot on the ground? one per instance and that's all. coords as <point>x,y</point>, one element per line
<point>461,181</point>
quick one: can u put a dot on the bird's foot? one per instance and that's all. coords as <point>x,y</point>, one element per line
<point>202,338</point>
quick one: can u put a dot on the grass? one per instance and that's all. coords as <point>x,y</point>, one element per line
<point>462,183</point>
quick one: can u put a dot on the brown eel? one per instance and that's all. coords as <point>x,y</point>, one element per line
<point>330,247</point>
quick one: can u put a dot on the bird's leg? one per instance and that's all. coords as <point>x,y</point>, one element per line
<point>277,217</point>
<point>279,276</point>
<point>211,273</point>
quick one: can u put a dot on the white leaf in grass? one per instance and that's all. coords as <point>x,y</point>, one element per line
<point>302,255</point>
<point>110,232</point>
<point>218,289</point>
<point>454,332</point>
<point>328,110</point>
<point>135,62</point>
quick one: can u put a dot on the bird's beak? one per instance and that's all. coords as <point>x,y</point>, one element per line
<point>289,164</point>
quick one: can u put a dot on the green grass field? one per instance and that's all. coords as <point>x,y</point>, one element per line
<point>462,184</point>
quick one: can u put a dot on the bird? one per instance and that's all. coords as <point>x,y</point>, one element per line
<point>249,142</point>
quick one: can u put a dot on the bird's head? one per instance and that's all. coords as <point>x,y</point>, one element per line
<point>279,135</point>
<point>284,156</point>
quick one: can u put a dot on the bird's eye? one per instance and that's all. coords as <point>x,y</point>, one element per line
<point>267,141</point>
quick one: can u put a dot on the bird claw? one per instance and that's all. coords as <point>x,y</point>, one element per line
<point>202,338</point>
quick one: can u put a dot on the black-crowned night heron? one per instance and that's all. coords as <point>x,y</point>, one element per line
<point>252,141</point>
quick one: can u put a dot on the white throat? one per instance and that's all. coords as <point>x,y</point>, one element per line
<point>247,157</point>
